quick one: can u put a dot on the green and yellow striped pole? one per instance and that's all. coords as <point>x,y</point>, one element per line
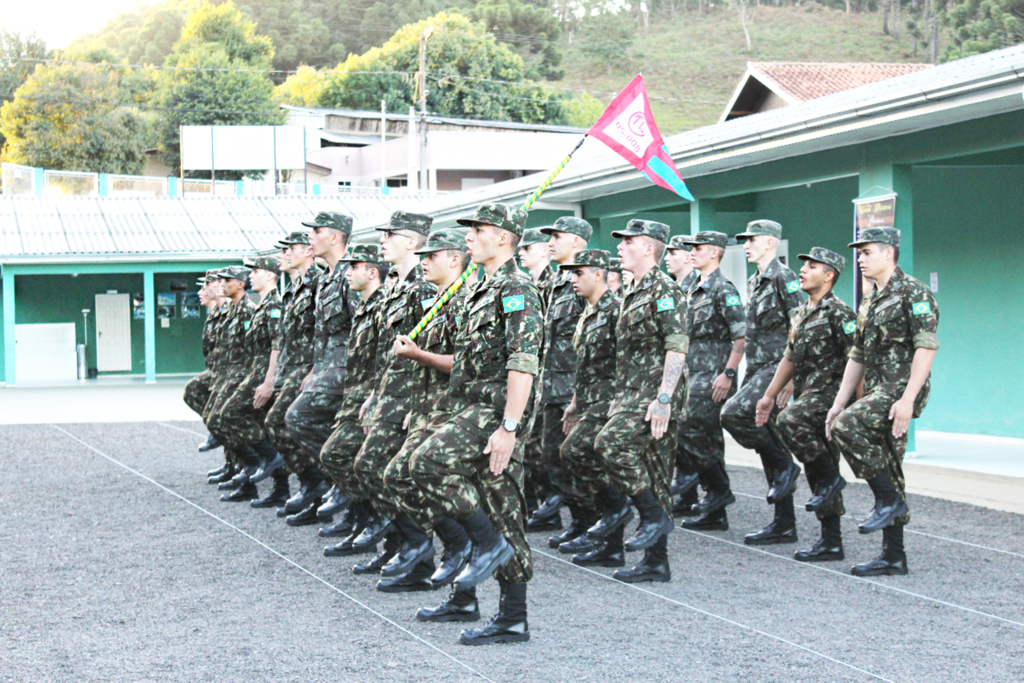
<point>472,266</point>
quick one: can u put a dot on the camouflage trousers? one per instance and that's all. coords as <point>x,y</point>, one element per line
<point>738,415</point>
<point>309,420</point>
<point>227,381</point>
<point>634,459</point>
<point>584,466</point>
<point>801,426</point>
<point>338,455</point>
<point>198,391</point>
<point>543,464</point>
<point>701,442</point>
<point>863,433</point>
<point>277,429</point>
<point>236,418</point>
<point>453,473</point>
<point>399,484</point>
<point>381,445</point>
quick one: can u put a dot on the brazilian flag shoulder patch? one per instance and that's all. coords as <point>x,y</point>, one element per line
<point>850,327</point>
<point>426,303</point>
<point>922,308</point>
<point>247,322</point>
<point>793,286</point>
<point>666,304</point>
<point>275,313</point>
<point>512,304</point>
<point>732,300</point>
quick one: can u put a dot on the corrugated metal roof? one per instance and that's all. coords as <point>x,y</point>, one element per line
<point>40,227</point>
<point>130,227</point>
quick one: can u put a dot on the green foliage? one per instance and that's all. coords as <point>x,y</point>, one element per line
<point>534,30</point>
<point>983,25</point>
<point>144,35</point>
<point>15,51</point>
<point>74,117</point>
<point>584,110</point>
<point>220,77</point>
<point>463,61</point>
<point>382,18</point>
<point>605,39</point>
<point>302,88</point>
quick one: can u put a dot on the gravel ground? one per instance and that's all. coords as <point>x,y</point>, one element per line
<point>107,576</point>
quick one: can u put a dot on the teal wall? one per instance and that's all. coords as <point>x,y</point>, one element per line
<point>968,230</point>
<point>179,348</point>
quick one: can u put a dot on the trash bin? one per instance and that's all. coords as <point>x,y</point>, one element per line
<point>83,368</point>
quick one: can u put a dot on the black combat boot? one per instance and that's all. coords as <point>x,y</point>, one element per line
<point>684,481</point>
<point>270,461</point>
<point>548,516</point>
<point>608,554</point>
<point>278,496</point>
<point>416,547</point>
<point>825,482</point>
<point>509,625</point>
<point>616,513</point>
<point>829,547</point>
<point>306,516</point>
<point>490,550</point>
<point>343,528</point>
<point>889,505</point>
<point>581,521</point>
<point>781,530</point>
<point>250,463</point>
<point>654,522</point>
<point>708,521</point>
<point>223,469</point>
<point>682,504</point>
<point>783,481</point>
<point>892,561</point>
<point>416,580</point>
<point>461,605</point>
<point>457,549</point>
<point>334,501</point>
<point>653,568</point>
<point>374,529</point>
<point>363,516</point>
<point>392,542</point>
<point>243,493</point>
<point>210,443</point>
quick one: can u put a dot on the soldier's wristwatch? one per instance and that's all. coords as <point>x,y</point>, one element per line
<point>509,425</point>
<point>664,398</point>
<point>730,373</point>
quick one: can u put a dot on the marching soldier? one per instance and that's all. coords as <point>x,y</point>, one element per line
<point>814,360</point>
<point>614,276</point>
<point>535,257</point>
<point>773,294</point>
<point>638,441</point>
<point>197,390</point>
<point>310,416</point>
<point>471,468</point>
<point>717,326</point>
<point>894,346</point>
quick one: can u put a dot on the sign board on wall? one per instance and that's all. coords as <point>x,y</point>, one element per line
<point>870,212</point>
<point>242,148</point>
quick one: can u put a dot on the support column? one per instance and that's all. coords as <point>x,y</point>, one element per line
<point>149,296</point>
<point>702,215</point>
<point>9,355</point>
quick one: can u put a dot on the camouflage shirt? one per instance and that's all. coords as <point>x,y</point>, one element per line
<point>211,332</point>
<point>652,321</point>
<point>232,338</point>
<point>430,386</point>
<point>544,285</point>
<point>360,372</point>
<point>261,331</point>
<point>500,331</point>
<point>899,319</point>
<point>335,306</point>
<point>819,342</point>
<point>692,278</point>
<point>594,342</point>
<point>716,319</point>
<point>772,296</point>
<point>294,342</point>
<point>403,306</point>
<point>558,357</point>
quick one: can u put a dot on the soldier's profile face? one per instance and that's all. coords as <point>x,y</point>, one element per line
<point>358,276</point>
<point>534,254</point>
<point>872,259</point>
<point>482,242</point>
<point>755,247</point>
<point>812,276</point>
<point>701,255</point>
<point>320,240</point>
<point>678,260</point>
<point>436,267</point>
<point>632,251</point>
<point>561,245</point>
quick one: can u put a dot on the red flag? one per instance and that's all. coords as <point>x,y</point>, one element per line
<point>627,126</point>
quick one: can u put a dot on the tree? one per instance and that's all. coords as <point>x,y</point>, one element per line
<point>585,110</point>
<point>469,74</point>
<point>74,117</point>
<point>983,25</point>
<point>605,40</point>
<point>17,53</point>
<point>534,30</point>
<point>303,88</point>
<point>145,35</point>
<point>220,77</point>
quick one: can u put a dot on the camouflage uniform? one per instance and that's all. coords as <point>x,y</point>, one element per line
<point>652,322</point>
<point>499,331</point>
<point>715,320</point>
<point>199,389</point>
<point>294,345</point>
<point>898,320</point>
<point>820,338</point>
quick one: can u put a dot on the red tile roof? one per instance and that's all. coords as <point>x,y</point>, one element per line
<point>807,80</point>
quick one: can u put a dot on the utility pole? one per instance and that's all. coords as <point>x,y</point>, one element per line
<point>424,171</point>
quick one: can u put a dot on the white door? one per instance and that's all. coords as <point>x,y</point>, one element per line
<point>113,333</point>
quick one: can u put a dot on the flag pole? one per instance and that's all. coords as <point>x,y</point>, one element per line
<point>450,292</point>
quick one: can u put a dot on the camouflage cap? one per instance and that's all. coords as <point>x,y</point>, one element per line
<point>652,229</point>
<point>333,220</point>
<point>365,253</point>
<point>680,242</point>
<point>571,225</point>
<point>589,258</point>
<point>615,265</point>
<point>452,239</point>
<point>890,236</point>
<point>534,236</point>
<point>504,216</point>
<point>264,262</point>
<point>761,227</point>
<point>717,239</point>
<point>297,237</point>
<point>403,220</point>
<point>233,273</point>
<point>826,256</point>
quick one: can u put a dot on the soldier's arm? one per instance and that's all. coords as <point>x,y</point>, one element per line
<point>729,303</point>
<point>924,321</point>
<point>407,348</point>
<point>265,390</point>
<point>672,323</point>
<point>783,376</point>
<point>852,376</point>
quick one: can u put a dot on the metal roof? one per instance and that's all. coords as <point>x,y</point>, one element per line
<point>91,229</point>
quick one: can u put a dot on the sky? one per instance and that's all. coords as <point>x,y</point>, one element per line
<point>58,22</point>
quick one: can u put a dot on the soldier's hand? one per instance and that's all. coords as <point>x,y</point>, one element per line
<point>569,418</point>
<point>365,407</point>
<point>720,388</point>
<point>658,414</point>
<point>782,400</point>
<point>764,410</point>
<point>612,407</point>
<point>900,414</point>
<point>833,413</point>
<point>405,347</point>
<point>262,395</point>
<point>405,422</point>
<point>499,447</point>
